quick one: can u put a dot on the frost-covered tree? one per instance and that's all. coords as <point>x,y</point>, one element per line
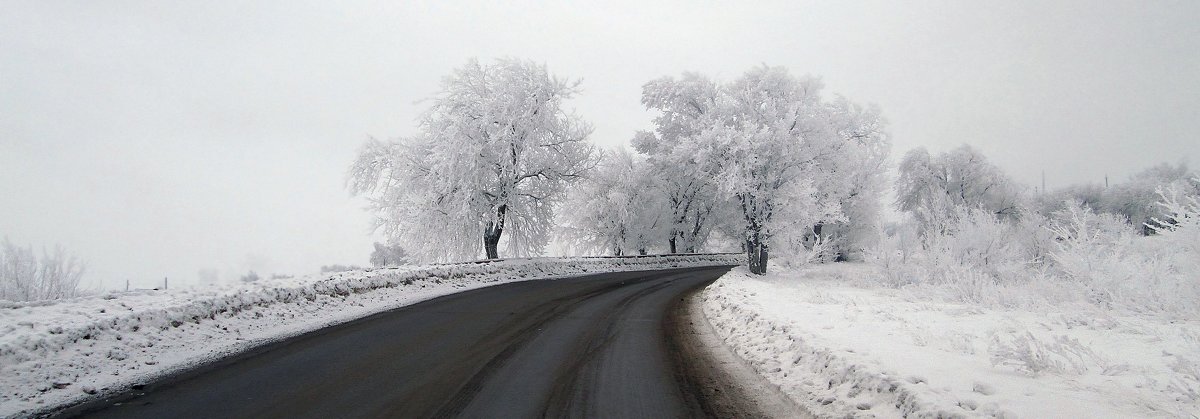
<point>685,108</point>
<point>1137,199</point>
<point>388,255</point>
<point>852,173</point>
<point>935,188</point>
<point>770,145</point>
<point>1088,195</point>
<point>495,152</point>
<point>618,209</point>
<point>25,277</point>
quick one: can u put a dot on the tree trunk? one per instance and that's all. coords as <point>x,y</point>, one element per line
<point>490,242</point>
<point>491,234</point>
<point>756,253</point>
<point>672,242</point>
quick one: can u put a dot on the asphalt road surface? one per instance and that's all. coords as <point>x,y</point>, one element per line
<point>593,346</point>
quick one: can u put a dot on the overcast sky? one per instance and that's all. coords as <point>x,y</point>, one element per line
<point>161,138</point>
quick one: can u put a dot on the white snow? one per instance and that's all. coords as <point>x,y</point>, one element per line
<point>59,352</point>
<point>842,347</point>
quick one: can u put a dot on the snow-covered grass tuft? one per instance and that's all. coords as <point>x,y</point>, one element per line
<point>55,352</point>
<point>1029,354</point>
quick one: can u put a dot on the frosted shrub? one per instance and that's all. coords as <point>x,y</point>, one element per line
<point>1118,268</point>
<point>250,277</point>
<point>895,255</point>
<point>977,248</point>
<point>979,258</point>
<point>981,242</point>
<point>795,253</point>
<point>1089,247</point>
<point>1180,225</point>
<point>26,277</point>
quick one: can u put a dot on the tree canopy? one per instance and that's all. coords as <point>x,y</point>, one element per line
<point>771,145</point>
<point>494,154</point>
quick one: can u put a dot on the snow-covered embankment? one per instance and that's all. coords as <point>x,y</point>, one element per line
<point>841,347</point>
<point>59,352</point>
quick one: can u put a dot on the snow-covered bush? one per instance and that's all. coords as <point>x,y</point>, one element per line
<point>1118,268</point>
<point>250,277</point>
<point>895,253</point>
<point>978,241</point>
<point>795,249</point>
<point>1180,223</point>
<point>26,277</point>
<point>969,243</point>
<point>978,259</point>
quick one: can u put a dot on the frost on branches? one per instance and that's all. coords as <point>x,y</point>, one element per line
<point>26,277</point>
<point>690,193</point>
<point>619,209</point>
<point>934,189</point>
<point>768,143</point>
<point>494,154</point>
<point>1135,200</point>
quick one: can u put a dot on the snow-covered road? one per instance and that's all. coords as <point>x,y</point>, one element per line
<point>64,352</point>
<point>591,346</point>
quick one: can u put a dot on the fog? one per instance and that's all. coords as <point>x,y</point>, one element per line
<point>162,139</point>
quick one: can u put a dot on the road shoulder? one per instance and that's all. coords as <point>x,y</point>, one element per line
<point>726,386</point>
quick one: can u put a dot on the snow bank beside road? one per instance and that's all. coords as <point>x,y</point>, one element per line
<point>845,351</point>
<point>52,353</point>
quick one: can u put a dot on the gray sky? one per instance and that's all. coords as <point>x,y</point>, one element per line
<point>161,138</point>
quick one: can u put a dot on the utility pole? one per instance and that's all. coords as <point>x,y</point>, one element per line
<point>1043,182</point>
<point>164,282</point>
<point>1106,181</point>
<point>126,284</point>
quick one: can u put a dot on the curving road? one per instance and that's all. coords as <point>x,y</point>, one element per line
<point>602,345</point>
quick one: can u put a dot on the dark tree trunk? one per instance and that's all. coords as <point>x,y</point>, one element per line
<point>672,243</point>
<point>756,253</point>
<point>491,234</point>
<point>490,243</point>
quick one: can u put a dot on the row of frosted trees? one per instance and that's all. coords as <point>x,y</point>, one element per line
<point>764,160</point>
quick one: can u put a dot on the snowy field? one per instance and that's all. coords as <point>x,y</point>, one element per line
<point>842,346</point>
<point>58,352</point>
